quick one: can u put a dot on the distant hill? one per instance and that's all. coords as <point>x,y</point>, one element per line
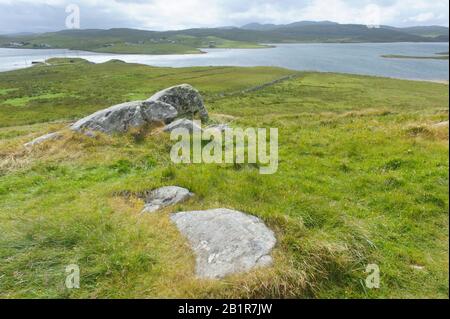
<point>17,34</point>
<point>327,32</point>
<point>248,36</point>
<point>259,27</point>
<point>271,27</point>
<point>125,41</point>
<point>441,38</point>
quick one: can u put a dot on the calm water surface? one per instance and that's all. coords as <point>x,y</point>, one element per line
<point>346,58</point>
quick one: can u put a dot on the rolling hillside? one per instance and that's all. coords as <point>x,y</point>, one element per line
<point>363,179</point>
<point>427,31</point>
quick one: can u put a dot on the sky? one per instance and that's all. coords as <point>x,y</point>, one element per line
<point>50,15</point>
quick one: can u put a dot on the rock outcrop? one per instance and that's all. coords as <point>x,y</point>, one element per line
<point>42,139</point>
<point>186,100</point>
<point>165,196</point>
<point>226,241</point>
<point>164,106</point>
<point>120,118</point>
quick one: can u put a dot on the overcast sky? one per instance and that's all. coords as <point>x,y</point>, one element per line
<point>50,15</point>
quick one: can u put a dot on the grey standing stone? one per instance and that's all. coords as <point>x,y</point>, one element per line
<point>165,196</point>
<point>226,241</point>
<point>185,98</point>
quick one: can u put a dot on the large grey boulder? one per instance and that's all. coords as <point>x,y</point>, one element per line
<point>165,196</point>
<point>226,241</point>
<point>42,139</point>
<point>183,123</point>
<point>185,98</point>
<point>120,118</point>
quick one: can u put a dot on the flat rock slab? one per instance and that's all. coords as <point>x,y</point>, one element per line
<point>165,196</point>
<point>226,241</point>
<point>42,139</point>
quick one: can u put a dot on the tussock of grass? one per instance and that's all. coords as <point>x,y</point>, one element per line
<point>429,131</point>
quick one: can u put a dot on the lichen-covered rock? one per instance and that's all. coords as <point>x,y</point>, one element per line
<point>186,99</point>
<point>42,139</point>
<point>183,123</point>
<point>226,241</point>
<point>165,196</point>
<point>120,118</point>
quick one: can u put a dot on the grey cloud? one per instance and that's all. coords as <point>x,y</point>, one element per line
<point>41,16</point>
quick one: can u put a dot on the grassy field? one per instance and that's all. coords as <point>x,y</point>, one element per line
<point>363,179</point>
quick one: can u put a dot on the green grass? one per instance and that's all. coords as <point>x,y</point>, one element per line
<point>363,179</point>
<point>82,87</point>
<point>5,91</point>
<point>22,101</point>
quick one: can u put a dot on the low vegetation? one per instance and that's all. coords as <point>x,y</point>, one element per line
<point>363,179</point>
<point>438,56</point>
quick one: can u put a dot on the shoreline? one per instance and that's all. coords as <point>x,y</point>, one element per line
<point>262,45</point>
<point>200,50</point>
<point>437,81</point>
<point>444,82</point>
<point>15,61</point>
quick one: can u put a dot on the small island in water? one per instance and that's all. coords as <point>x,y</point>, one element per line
<point>438,56</point>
